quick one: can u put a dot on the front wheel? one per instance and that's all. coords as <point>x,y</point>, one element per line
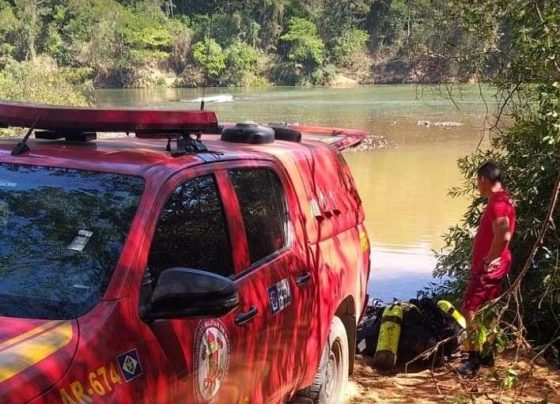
<point>332,375</point>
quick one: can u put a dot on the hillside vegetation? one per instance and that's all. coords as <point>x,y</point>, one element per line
<point>147,43</point>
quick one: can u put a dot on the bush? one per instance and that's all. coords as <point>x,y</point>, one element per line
<point>182,36</point>
<point>352,43</point>
<point>244,66</point>
<point>224,28</point>
<point>324,75</point>
<point>210,56</point>
<point>145,34</point>
<point>241,56</point>
<point>287,74</point>
<point>41,81</point>
<point>306,47</point>
<point>192,77</point>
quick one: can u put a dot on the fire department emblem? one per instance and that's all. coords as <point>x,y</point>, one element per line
<point>211,349</point>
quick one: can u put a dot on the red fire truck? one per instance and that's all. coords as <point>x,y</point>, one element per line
<point>193,262</point>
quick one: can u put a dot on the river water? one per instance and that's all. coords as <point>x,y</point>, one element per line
<point>404,188</point>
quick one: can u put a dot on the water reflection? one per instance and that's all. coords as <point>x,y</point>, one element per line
<point>405,194</point>
<point>399,273</point>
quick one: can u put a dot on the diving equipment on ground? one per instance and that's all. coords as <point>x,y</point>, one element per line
<point>423,325</point>
<point>389,335</point>
<point>448,308</point>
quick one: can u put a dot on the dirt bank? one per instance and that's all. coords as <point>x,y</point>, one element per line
<point>537,384</point>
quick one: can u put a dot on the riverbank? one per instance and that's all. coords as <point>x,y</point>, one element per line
<point>533,383</point>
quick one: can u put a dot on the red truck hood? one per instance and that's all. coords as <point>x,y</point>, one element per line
<point>34,355</point>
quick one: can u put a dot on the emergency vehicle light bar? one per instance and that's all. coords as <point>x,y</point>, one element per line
<point>62,119</point>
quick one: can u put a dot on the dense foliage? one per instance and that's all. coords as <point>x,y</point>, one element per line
<point>524,51</point>
<point>142,43</point>
<point>42,81</point>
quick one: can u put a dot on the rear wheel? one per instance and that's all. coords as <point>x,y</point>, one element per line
<point>332,375</point>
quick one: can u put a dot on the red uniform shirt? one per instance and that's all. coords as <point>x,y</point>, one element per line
<point>499,205</point>
<point>484,286</point>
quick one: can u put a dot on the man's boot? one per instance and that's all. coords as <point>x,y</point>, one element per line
<point>471,366</point>
<point>487,355</point>
<point>487,360</point>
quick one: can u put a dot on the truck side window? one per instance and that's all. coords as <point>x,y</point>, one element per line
<point>192,231</point>
<point>263,208</point>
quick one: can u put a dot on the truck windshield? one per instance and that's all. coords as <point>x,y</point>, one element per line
<point>61,234</point>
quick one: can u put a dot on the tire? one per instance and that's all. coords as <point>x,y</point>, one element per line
<point>331,378</point>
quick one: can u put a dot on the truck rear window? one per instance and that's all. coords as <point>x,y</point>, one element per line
<point>61,235</point>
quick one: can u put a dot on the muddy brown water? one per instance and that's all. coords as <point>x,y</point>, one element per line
<point>404,188</point>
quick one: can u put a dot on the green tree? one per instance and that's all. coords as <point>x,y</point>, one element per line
<point>182,37</point>
<point>242,56</point>
<point>338,17</point>
<point>269,14</point>
<point>90,37</point>
<point>9,25</point>
<point>29,14</point>
<point>351,43</point>
<point>55,45</point>
<point>306,47</point>
<point>222,27</point>
<point>144,34</point>
<point>210,56</point>
<point>243,67</point>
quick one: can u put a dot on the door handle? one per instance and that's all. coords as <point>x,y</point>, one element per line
<point>245,317</point>
<point>303,279</point>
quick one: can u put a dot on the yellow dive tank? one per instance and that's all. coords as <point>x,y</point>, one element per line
<point>389,335</point>
<point>448,308</point>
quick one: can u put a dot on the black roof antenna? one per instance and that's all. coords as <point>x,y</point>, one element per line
<point>206,72</point>
<point>22,146</point>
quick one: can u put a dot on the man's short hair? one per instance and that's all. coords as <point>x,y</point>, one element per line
<point>490,171</point>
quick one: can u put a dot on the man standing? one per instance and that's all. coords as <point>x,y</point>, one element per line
<point>491,258</point>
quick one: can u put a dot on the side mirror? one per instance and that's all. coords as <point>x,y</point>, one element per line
<point>187,293</point>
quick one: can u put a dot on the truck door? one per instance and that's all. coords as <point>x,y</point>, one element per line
<point>278,262</point>
<point>212,359</point>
